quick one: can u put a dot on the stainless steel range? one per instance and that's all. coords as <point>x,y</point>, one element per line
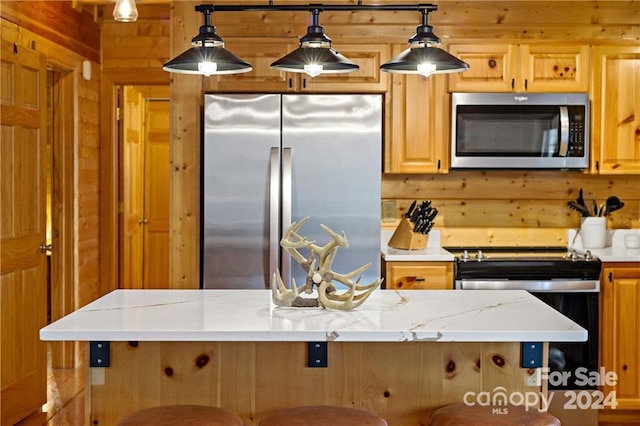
<point>567,280</point>
<point>544,269</point>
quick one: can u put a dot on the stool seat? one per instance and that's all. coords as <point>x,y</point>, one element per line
<point>476,415</point>
<point>174,415</point>
<point>322,415</point>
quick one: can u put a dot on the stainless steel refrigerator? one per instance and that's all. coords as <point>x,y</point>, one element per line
<point>271,159</point>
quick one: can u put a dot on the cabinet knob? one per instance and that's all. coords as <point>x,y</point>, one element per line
<point>492,63</point>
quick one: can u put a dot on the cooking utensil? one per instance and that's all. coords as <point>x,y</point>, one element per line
<point>580,199</point>
<point>613,203</point>
<point>583,210</point>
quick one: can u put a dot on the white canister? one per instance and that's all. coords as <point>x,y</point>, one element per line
<point>593,232</point>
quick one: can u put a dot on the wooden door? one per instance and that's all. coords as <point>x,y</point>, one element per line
<point>554,68</point>
<point>620,328</point>
<point>132,159</point>
<point>260,54</point>
<point>23,363</point>
<point>492,67</point>
<point>616,110</point>
<point>156,194</point>
<point>419,129</point>
<point>368,78</point>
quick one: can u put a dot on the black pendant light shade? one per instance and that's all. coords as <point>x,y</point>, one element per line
<point>423,55</point>
<point>208,55</point>
<point>315,55</point>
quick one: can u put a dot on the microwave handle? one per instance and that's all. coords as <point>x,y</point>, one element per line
<point>563,147</point>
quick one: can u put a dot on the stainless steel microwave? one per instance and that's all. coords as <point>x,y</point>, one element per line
<point>520,131</point>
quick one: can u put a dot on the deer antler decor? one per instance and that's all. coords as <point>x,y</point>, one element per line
<point>319,274</point>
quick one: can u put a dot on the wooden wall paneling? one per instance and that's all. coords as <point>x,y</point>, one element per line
<point>58,22</point>
<point>248,378</point>
<point>134,53</point>
<point>88,184</point>
<point>109,226</point>
<point>518,199</point>
<point>186,110</point>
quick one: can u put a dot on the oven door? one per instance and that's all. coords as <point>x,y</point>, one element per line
<point>571,363</point>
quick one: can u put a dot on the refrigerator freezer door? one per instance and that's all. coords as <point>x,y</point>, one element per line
<point>336,154</point>
<point>239,133</point>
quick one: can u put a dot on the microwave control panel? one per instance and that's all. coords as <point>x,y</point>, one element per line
<point>576,131</point>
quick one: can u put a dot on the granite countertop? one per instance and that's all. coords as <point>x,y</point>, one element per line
<point>249,315</point>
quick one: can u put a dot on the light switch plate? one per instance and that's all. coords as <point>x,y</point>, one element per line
<point>388,211</point>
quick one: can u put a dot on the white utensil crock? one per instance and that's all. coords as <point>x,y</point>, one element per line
<point>594,232</point>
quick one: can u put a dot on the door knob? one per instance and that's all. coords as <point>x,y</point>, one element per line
<point>44,248</point>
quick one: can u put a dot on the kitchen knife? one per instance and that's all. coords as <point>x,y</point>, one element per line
<point>413,206</point>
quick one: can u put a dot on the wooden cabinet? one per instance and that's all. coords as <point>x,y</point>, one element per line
<point>616,110</point>
<point>620,331</point>
<point>506,67</point>
<point>418,275</point>
<point>262,53</point>
<point>419,136</point>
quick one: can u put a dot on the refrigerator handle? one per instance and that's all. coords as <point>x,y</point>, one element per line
<point>286,210</point>
<point>274,213</point>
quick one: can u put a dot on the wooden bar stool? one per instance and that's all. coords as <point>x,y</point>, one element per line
<point>322,415</point>
<point>174,415</point>
<point>510,415</point>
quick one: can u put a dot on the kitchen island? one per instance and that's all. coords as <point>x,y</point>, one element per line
<point>402,354</point>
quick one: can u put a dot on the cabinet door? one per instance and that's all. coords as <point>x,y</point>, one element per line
<point>419,141</point>
<point>492,67</point>
<point>616,110</point>
<point>419,275</point>
<point>546,68</point>
<point>260,54</point>
<point>506,67</point>
<point>620,330</point>
<point>368,78</point>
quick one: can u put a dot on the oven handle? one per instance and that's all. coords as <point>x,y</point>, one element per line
<point>550,286</point>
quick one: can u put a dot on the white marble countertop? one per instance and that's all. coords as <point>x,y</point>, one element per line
<point>249,315</point>
<point>431,253</point>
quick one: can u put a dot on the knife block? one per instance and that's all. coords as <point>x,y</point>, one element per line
<point>404,237</point>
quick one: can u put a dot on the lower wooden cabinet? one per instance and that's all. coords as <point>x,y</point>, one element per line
<point>418,275</point>
<point>620,331</point>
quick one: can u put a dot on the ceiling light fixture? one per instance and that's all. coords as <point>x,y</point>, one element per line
<point>208,55</point>
<point>125,11</point>
<point>424,55</point>
<point>315,55</point>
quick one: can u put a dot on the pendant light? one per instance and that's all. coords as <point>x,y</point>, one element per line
<point>125,11</point>
<point>315,55</point>
<point>208,55</point>
<point>424,55</point>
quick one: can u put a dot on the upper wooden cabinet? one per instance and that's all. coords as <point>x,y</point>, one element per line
<point>262,53</point>
<point>505,67</point>
<point>418,141</point>
<point>616,110</point>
